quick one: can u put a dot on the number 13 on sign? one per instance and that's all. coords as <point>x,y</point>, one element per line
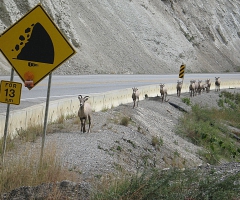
<point>10,92</point>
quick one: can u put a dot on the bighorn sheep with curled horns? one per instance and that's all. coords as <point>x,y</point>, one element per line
<point>163,92</point>
<point>179,87</point>
<point>135,96</point>
<point>84,113</point>
<point>217,84</point>
<point>192,88</point>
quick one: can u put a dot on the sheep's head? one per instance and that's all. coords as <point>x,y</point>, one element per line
<point>179,82</point>
<point>162,86</point>
<point>134,90</point>
<point>82,100</point>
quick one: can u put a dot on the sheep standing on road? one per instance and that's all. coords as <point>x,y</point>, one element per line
<point>192,88</point>
<point>135,96</point>
<point>163,92</point>
<point>217,84</point>
<point>179,87</point>
<point>84,113</point>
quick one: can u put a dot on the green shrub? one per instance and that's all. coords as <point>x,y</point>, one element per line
<point>186,101</point>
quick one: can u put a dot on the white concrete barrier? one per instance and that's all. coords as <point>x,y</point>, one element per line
<point>34,115</point>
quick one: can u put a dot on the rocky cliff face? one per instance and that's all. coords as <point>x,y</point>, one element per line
<point>140,36</point>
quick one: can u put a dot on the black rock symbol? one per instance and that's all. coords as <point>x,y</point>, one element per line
<point>39,47</point>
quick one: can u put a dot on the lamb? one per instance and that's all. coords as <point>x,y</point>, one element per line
<point>84,113</point>
<point>135,96</point>
<point>217,84</point>
<point>192,87</point>
<point>179,87</point>
<point>163,91</point>
<point>208,82</point>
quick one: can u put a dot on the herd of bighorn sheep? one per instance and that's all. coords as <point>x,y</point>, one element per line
<point>195,87</point>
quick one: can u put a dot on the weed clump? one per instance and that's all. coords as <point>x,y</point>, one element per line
<point>125,121</point>
<point>186,101</point>
<point>157,142</point>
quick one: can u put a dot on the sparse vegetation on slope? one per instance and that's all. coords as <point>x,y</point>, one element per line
<point>208,127</point>
<point>170,185</point>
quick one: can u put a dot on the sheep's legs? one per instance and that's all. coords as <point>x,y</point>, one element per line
<point>89,123</point>
<point>165,97</point>
<point>83,120</point>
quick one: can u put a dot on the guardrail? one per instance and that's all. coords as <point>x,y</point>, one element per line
<point>34,115</point>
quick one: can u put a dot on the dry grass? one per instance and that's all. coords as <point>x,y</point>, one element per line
<point>25,169</point>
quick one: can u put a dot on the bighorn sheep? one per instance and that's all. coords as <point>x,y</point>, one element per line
<point>201,86</point>
<point>196,83</point>
<point>208,82</point>
<point>135,96</point>
<point>179,87</point>
<point>192,87</point>
<point>163,91</point>
<point>84,113</point>
<point>217,83</point>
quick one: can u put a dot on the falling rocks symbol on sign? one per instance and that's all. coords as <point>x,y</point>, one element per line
<point>39,47</point>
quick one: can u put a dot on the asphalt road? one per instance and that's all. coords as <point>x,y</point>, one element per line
<point>71,86</point>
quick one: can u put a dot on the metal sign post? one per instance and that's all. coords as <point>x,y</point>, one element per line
<point>46,116</point>
<point>6,124</point>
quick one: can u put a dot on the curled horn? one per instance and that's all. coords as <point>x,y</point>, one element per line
<point>79,96</point>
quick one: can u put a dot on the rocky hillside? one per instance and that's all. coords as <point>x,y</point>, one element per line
<point>140,36</point>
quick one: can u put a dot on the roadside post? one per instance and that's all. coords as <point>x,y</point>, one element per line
<point>181,71</point>
<point>35,47</point>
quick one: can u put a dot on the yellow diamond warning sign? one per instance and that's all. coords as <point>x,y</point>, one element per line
<point>34,46</point>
